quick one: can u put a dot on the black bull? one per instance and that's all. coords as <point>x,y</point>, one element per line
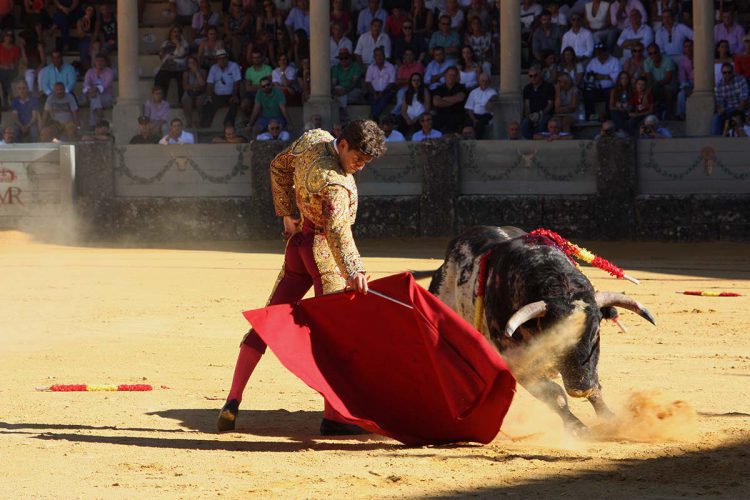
<point>535,297</point>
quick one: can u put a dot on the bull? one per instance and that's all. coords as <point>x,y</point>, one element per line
<point>540,311</point>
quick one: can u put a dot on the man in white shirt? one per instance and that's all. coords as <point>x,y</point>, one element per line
<point>380,82</point>
<point>338,42</point>
<point>372,39</point>
<point>602,72</point>
<point>671,36</point>
<point>635,32</point>
<point>391,135</point>
<point>426,132</point>
<point>223,81</point>
<point>619,12</point>
<point>275,133</point>
<point>434,74</point>
<point>176,135</point>
<point>373,11</point>
<point>578,38</point>
<point>476,105</point>
<point>183,11</point>
<point>299,17</point>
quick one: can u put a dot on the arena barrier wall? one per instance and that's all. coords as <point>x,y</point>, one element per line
<point>609,189</point>
<point>36,185</point>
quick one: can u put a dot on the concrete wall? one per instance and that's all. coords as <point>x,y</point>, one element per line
<point>36,185</point>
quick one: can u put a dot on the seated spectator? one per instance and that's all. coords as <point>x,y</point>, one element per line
<point>173,54</point>
<point>597,20</point>
<point>557,16</point>
<point>87,30</point>
<point>9,136</point>
<point>49,134</point>
<point>530,10</point>
<point>145,133</point>
<point>223,89</point>
<point>721,55</point>
<point>620,100</point>
<point>553,132</point>
<point>340,15</point>
<point>298,17</point>
<point>569,65</point>
<point>736,125</point>
<point>731,94</point>
<point>101,133</point>
<point>194,83</point>
<point>253,75</point>
<point>337,42</point>
<point>468,133</point>
<point>395,22</point>
<point>57,71</point>
<point>300,48</point>
<point>609,129</point>
<point>662,78</point>
<point>513,131</point>
<point>156,110</point>
<point>685,78</point>
<point>65,15</point>
<point>408,67</point>
<point>449,100</point>
<point>409,41</point>
<point>11,56</point>
<point>315,122</point>
<point>183,11</point>
<point>742,59</point>
<point>380,82</point>
<point>107,42</point>
<point>209,47</point>
<point>368,15</point>
<point>230,136</point>
<point>371,40</point>
<point>423,18</point>
<point>36,60</point>
<point>538,103</point>
<point>578,38</point>
<point>202,21</point>
<point>346,80</point>
<point>455,14</point>
<point>619,12</point>
<point>477,9</point>
<point>270,104</point>
<point>97,87</point>
<point>426,132</point>
<point>566,101</point>
<point>391,134</point>
<point>641,105</point>
<point>634,65</point>
<point>468,69</point>
<point>671,35</point>
<point>176,134</point>
<point>601,74</point>
<point>548,65</point>
<point>481,43</point>
<point>435,71</point>
<point>275,133</point>
<point>61,110</point>
<point>415,102</point>
<point>652,130</point>
<point>730,31</point>
<point>446,38</point>
<point>636,34</point>
<point>659,6</point>
<point>237,28</point>
<point>476,105</point>
<point>284,77</point>
<point>25,114</point>
<point>546,37</point>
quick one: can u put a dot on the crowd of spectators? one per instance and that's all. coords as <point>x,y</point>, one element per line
<point>423,67</point>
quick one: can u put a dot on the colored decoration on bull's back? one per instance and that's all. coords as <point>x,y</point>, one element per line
<point>701,293</point>
<point>574,251</point>
<point>96,388</point>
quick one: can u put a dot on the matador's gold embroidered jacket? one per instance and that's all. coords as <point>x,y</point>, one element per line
<point>308,177</point>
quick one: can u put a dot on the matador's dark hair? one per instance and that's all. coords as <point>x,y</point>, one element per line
<point>364,136</point>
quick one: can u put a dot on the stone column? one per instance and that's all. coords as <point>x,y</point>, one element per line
<point>128,106</point>
<point>700,105</point>
<point>510,104</point>
<point>320,70</point>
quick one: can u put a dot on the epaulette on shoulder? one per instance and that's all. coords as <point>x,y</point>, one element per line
<point>310,138</point>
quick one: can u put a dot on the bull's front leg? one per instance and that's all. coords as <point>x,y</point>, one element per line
<point>597,401</point>
<point>554,396</point>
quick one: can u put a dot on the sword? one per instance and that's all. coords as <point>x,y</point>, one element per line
<point>384,296</point>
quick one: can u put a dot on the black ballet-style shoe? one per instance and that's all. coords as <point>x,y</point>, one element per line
<point>228,416</point>
<point>332,428</point>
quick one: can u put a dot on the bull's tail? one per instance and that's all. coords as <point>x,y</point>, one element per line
<point>418,275</point>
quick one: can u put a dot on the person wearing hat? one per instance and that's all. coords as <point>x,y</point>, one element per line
<point>223,81</point>
<point>144,135</point>
<point>601,74</point>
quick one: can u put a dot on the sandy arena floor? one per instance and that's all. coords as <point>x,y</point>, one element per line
<point>171,317</point>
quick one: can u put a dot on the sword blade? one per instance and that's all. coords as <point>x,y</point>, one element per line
<point>386,297</point>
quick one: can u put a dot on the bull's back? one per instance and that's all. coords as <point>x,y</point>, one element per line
<point>454,283</point>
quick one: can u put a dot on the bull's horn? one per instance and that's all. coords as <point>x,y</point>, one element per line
<point>527,312</point>
<point>605,299</point>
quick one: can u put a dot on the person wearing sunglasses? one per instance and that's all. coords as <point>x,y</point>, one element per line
<point>661,72</point>
<point>731,95</point>
<point>538,103</point>
<point>446,38</point>
<point>671,35</point>
<point>635,34</point>
<point>315,195</point>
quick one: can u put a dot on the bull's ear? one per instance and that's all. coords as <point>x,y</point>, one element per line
<point>609,312</point>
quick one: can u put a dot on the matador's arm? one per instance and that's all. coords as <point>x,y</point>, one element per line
<point>338,230</point>
<point>282,182</point>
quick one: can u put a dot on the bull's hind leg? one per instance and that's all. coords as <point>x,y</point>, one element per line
<point>554,396</point>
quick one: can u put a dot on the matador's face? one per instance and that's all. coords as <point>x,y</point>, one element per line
<point>351,159</point>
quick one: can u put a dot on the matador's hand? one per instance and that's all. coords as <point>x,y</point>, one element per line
<point>290,226</point>
<point>358,282</point>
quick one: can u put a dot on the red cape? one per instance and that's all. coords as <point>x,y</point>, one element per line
<point>420,376</point>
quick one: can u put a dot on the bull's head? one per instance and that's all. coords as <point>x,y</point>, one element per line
<point>575,347</point>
